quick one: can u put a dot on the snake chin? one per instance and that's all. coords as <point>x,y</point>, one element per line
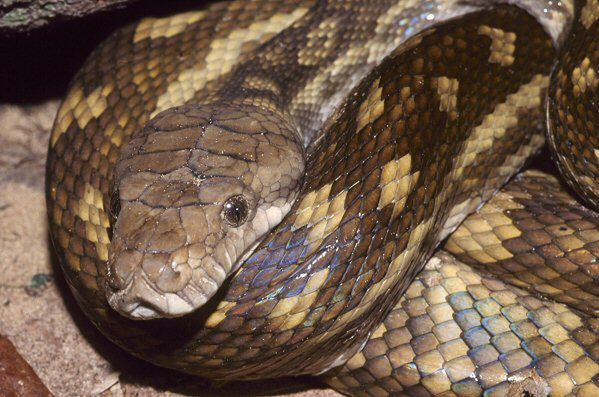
<point>139,301</point>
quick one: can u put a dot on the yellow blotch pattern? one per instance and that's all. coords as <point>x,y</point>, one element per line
<point>583,77</point>
<point>90,209</point>
<point>396,183</point>
<point>223,56</point>
<point>502,45</point>
<point>154,28</point>
<point>372,106</point>
<point>589,13</point>
<point>321,213</point>
<point>503,117</point>
<point>80,109</point>
<point>448,94</point>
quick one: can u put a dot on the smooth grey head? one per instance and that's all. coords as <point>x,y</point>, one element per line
<point>193,193</point>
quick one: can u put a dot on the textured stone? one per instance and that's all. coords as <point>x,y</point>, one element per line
<point>21,16</point>
<point>17,378</point>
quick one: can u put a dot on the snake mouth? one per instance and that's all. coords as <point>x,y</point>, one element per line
<point>142,308</point>
<point>140,299</point>
<point>150,285</point>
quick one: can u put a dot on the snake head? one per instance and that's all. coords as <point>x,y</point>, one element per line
<point>194,191</point>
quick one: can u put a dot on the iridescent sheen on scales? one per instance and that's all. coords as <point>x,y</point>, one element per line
<point>271,176</point>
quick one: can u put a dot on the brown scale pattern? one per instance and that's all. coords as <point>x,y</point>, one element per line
<point>124,83</point>
<point>459,332</point>
<point>269,323</point>
<point>534,235</point>
<point>303,297</point>
<point>573,107</point>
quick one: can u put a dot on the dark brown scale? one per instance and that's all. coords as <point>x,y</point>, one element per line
<point>573,108</point>
<point>371,234</point>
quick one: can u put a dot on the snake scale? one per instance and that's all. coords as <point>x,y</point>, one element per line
<point>263,182</point>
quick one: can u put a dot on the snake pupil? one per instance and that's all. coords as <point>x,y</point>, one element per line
<point>235,210</point>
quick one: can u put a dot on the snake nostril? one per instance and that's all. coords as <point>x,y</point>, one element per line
<point>120,268</point>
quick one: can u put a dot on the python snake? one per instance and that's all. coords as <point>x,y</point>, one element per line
<point>177,194</point>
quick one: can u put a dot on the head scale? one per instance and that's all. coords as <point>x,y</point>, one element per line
<point>194,191</point>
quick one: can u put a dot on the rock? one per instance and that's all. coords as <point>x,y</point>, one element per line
<point>25,15</point>
<point>17,378</point>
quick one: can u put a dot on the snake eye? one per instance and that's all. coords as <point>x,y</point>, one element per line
<point>236,210</point>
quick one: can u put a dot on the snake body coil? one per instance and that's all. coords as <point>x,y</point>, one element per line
<point>183,141</point>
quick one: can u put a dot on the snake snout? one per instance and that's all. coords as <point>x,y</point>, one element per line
<point>151,291</point>
<point>141,301</point>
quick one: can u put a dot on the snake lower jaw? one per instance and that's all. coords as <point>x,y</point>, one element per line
<point>141,300</point>
<point>139,297</point>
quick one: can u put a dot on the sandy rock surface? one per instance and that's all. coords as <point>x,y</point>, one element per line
<point>24,15</point>
<point>37,312</point>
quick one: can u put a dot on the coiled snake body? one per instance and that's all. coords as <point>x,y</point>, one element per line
<point>183,141</point>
